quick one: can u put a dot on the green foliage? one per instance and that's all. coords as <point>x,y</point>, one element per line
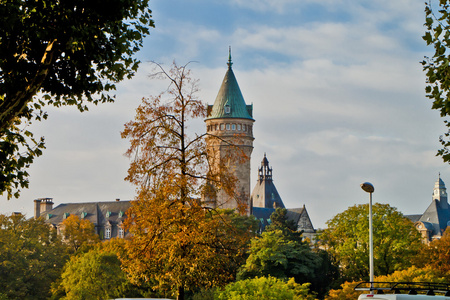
<point>437,67</point>
<point>31,258</point>
<point>269,288</point>
<point>396,241</point>
<point>18,149</point>
<point>93,275</point>
<point>278,255</point>
<point>60,53</point>
<point>279,220</point>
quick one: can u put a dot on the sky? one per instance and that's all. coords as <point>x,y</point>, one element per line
<point>337,89</point>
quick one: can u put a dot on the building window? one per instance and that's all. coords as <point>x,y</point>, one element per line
<point>228,126</point>
<point>222,126</point>
<point>239,127</point>
<point>233,127</point>
<point>107,232</point>
<point>244,127</point>
<point>121,233</point>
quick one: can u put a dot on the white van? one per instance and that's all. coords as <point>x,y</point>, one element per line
<point>401,297</point>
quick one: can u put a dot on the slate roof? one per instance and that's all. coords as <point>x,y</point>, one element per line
<point>230,96</point>
<point>265,193</point>
<point>98,213</point>
<point>437,216</point>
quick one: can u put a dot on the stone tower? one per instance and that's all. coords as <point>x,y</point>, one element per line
<point>229,125</point>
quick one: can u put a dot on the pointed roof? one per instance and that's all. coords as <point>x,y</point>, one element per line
<point>229,101</point>
<point>439,218</point>
<point>265,193</point>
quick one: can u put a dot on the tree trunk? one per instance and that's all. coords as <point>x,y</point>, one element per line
<point>180,293</point>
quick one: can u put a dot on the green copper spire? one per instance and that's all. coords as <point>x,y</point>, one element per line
<point>229,101</point>
<point>229,57</point>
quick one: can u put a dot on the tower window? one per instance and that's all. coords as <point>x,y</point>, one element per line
<point>222,126</point>
<point>233,127</point>
<point>227,109</point>
<point>244,127</point>
<point>216,127</point>
<point>239,127</point>
<point>228,126</point>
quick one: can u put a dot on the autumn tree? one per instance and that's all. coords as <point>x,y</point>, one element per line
<point>59,53</point>
<point>78,232</point>
<point>395,240</point>
<point>176,239</point>
<point>436,255</point>
<point>412,274</point>
<point>31,257</point>
<point>437,67</point>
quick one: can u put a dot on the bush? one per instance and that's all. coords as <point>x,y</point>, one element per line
<point>269,288</point>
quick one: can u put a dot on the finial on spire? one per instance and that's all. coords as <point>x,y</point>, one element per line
<point>229,63</point>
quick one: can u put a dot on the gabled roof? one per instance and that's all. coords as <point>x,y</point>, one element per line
<point>229,101</point>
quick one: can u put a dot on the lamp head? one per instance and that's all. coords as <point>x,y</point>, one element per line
<point>367,187</point>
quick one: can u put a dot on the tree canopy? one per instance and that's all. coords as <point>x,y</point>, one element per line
<point>78,232</point>
<point>60,53</point>
<point>31,257</point>
<point>265,288</point>
<point>436,67</point>
<point>396,241</point>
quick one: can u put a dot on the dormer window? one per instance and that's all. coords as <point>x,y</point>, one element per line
<point>227,109</point>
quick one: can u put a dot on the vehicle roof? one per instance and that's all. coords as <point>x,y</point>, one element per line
<point>401,297</point>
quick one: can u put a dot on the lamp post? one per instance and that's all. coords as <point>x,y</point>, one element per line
<point>368,187</point>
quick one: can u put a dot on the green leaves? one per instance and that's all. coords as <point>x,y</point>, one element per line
<point>437,23</point>
<point>60,53</point>
<point>395,239</point>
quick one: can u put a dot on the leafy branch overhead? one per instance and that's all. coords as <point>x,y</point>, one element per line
<point>60,53</point>
<point>436,67</point>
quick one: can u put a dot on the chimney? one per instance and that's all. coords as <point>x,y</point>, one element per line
<point>117,199</point>
<point>46,204</point>
<point>37,208</point>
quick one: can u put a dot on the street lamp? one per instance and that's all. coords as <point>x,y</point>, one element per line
<point>368,187</point>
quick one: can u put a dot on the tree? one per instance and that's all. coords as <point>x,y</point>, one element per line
<point>60,53</point>
<point>93,275</point>
<point>177,240</point>
<point>437,67</point>
<point>280,256</point>
<point>396,241</point>
<point>282,252</point>
<point>270,288</point>
<point>77,232</point>
<point>31,257</point>
<point>436,255</point>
